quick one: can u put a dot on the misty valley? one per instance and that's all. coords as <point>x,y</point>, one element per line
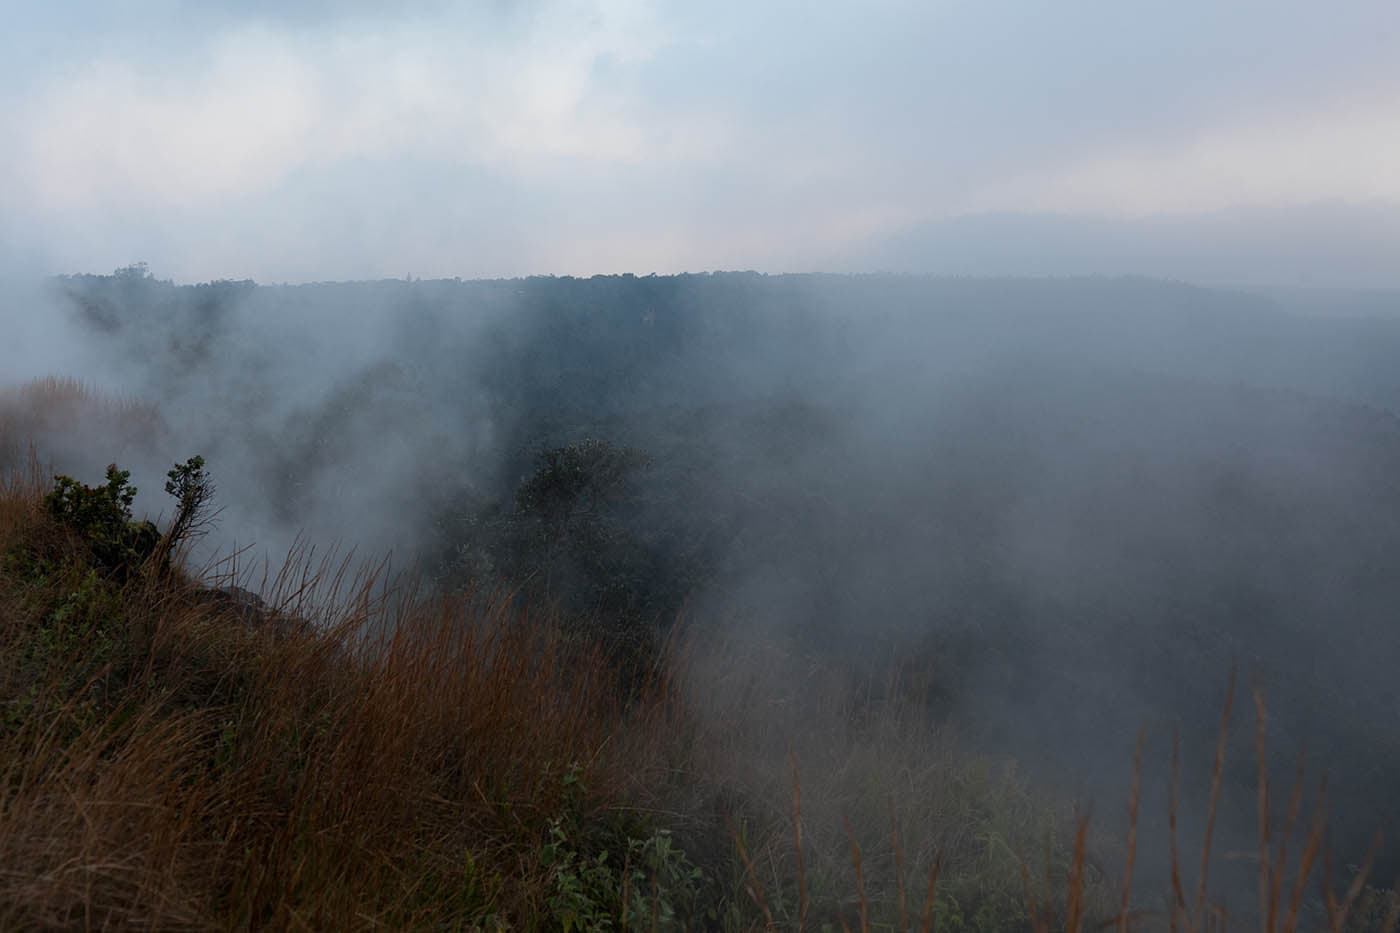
<point>709,601</point>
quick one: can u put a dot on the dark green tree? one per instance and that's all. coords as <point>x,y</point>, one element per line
<point>193,490</point>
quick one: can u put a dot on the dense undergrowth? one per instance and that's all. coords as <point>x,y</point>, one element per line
<point>351,753</point>
<point>177,757</point>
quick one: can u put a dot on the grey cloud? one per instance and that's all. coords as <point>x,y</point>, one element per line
<point>796,130</point>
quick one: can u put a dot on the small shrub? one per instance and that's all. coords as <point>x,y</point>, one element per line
<point>101,515</point>
<point>192,489</point>
<point>655,886</point>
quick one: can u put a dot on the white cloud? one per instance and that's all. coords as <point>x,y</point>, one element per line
<point>117,133</point>
<point>114,134</point>
<point>314,138</point>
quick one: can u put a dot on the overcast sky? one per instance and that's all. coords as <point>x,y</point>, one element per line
<point>322,140</point>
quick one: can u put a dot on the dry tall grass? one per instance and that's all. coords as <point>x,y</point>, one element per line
<point>167,764</point>
<point>64,416</point>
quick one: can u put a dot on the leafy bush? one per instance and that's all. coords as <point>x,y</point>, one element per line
<point>101,515</point>
<point>656,887</point>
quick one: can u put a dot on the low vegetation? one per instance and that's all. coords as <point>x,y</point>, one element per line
<point>173,761</point>
<point>348,752</point>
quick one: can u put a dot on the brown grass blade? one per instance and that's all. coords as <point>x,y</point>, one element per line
<point>931,894</point>
<point>755,886</point>
<point>1266,915</point>
<point>1357,883</point>
<point>1177,900</point>
<point>1280,862</point>
<point>797,845</point>
<point>1311,849</point>
<point>860,876</point>
<point>1217,771</point>
<point>903,915</point>
<point>1074,911</point>
<point>1133,800</point>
